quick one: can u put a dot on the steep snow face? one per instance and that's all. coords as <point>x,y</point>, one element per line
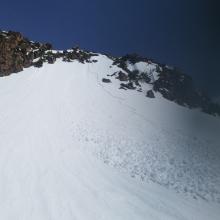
<point>58,120</point>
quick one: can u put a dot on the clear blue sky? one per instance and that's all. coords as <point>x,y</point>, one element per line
<point>183,33</point>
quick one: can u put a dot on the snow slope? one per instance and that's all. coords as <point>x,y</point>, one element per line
<point>57,120</point>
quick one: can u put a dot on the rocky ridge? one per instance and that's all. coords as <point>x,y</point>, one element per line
<point>18,52</point>
<point>170,82</point>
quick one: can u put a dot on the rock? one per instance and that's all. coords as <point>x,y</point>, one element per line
<point>17,52</point>
<point>38,64</point>
<point>80,55</point>
<point>133,75</point>
<point>122,76</point>
<point>106,80</point>
<point>150,94</point>
<point>144,77</point>
<point>11,58</point>
<point>127,86</point>
<point>28,60</point>
<point>178,87</point>
<point>121,87</point>
<point>50,57</point>
<point>137,83</point>
<point>131,58</point>
<point>113,74</point>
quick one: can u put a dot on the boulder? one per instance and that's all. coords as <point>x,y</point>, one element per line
<point>17,52</point>
<point>106,80</point>
<point>122,76</point>
<point>127,86</point>
<point>133,75</point>
<point>51,58</point>
<point>150,94</point>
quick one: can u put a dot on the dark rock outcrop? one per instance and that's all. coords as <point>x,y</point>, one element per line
<point>17,52</point>
<point>38,63</point>
<point>127,86</point>
<point>131,58</point>
<point>178,87</point>
<point>106,80</point>
<point>78,54</point>
<point>122,76</point>
<point>150,94</point>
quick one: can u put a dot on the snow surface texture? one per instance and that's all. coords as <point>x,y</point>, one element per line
<point>56,118</point>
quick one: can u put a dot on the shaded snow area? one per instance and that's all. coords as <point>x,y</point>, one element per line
<point>73,147</point>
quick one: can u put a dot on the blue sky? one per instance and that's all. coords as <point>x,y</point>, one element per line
<point>182,33</point>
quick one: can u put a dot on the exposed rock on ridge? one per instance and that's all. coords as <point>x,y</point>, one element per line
<point>171,83</point>
<point>17,52</point>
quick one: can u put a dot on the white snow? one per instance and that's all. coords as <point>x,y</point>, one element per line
<point>145,67</point>
<point>69,145</point>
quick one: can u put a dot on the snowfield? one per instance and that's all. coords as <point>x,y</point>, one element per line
<point>73,147</point>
